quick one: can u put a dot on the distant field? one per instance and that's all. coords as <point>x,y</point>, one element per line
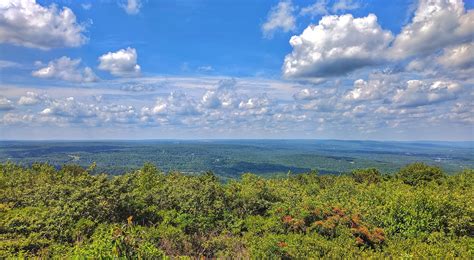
<point>231,158</point>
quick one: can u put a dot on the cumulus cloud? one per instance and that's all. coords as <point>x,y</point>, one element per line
<point>364,90</point>
<point>14,118</point>
<point>174,109</point>
<point>436,24</point>
<point>325,104</point>
<point>387,89</point>
<point>307,94</point>
<point>318,53</point>
<point>419,64</point>
<point>254,106</point>
<point>221,105</point>
<point>237,107</point>
<point>122,63</point>
<point>5,104</point>
<point>211,99</point>
<point>460,56</point>
<point>67,69</point>
<point>26,23</point>
<point>69,107</point>
<point>31,98</point>
<point>419,93</point>
<point>453,62</point>
<point>377,87</point>
<point>220,98</point>
<point>223,96</point>
<point>132,7</point>
<point>319,100</point>
<point>70,110</point>
<point>357,111</point>
<point>461,112</point>
<point>254,103</point>
<point>281,18</point>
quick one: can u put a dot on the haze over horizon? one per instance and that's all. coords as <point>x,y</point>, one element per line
<point>86,140</point>
<point>319,69</point>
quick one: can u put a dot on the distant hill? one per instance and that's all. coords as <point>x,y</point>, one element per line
<point>231,158</point>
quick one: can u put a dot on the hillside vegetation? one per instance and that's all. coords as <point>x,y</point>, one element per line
<point>418,212</point>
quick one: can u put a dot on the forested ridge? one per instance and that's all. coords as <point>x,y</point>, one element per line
<point>70,212</point>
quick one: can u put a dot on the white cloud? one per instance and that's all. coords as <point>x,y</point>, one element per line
<point>70,110</point>
<point>364,90</point>
<point>307,94</point>
<point>207,68</point>
<point>461,112</point>
<point>246,107</point>
<point>8,64</point>
<point>139,87</point>
<point>281,18</point>
<point>436,24</point>
<point>132,6</point>
<point>26,23</point>
<point>419,64</point>
<point>31,98</point>
<point>377,87</point>
<point>175,109</point>
<point>453,62</point>
<point>324,104</point>
<point>14,118</point>
<point>88,75</point>
<point>254,103</point>
<point>319,100</point>
<point>67,69</point>
<point>318,8</point>
<point>386,89</point>
<point>211,99</point>
<point>254,106</point>
<point>122,63</point>
<point>224,96</point>
<point>419,93</point>
<point>228,98</point>
<point>356,112</point>
<point>336,46</point>
<point>344,5</point>
<point>5,104</point>
<point>86,6</point>
<point>460,56</point>
<point>218,106</point>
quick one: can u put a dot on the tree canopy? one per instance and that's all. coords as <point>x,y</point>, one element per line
<point>70,212</point>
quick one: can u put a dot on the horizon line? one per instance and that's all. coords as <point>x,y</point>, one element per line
<point>226,139</point>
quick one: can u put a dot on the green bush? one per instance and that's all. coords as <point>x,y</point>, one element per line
<point>72,213</point>
<point>369,175</point>
<point>420,173</point>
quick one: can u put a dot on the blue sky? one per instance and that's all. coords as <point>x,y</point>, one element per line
<point>342,69</point>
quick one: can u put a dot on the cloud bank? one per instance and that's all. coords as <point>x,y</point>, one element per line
<point>26,23</point>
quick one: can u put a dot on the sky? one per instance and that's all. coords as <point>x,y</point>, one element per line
<point>204,69</point>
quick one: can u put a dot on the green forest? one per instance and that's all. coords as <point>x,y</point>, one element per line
<point>75,212</point>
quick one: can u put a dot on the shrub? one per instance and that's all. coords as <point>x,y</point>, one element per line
<point>369,175</point>
<point>419,173</point>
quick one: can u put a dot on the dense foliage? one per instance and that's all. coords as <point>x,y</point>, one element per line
<point>146,213</point>
<point>231,158</point>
